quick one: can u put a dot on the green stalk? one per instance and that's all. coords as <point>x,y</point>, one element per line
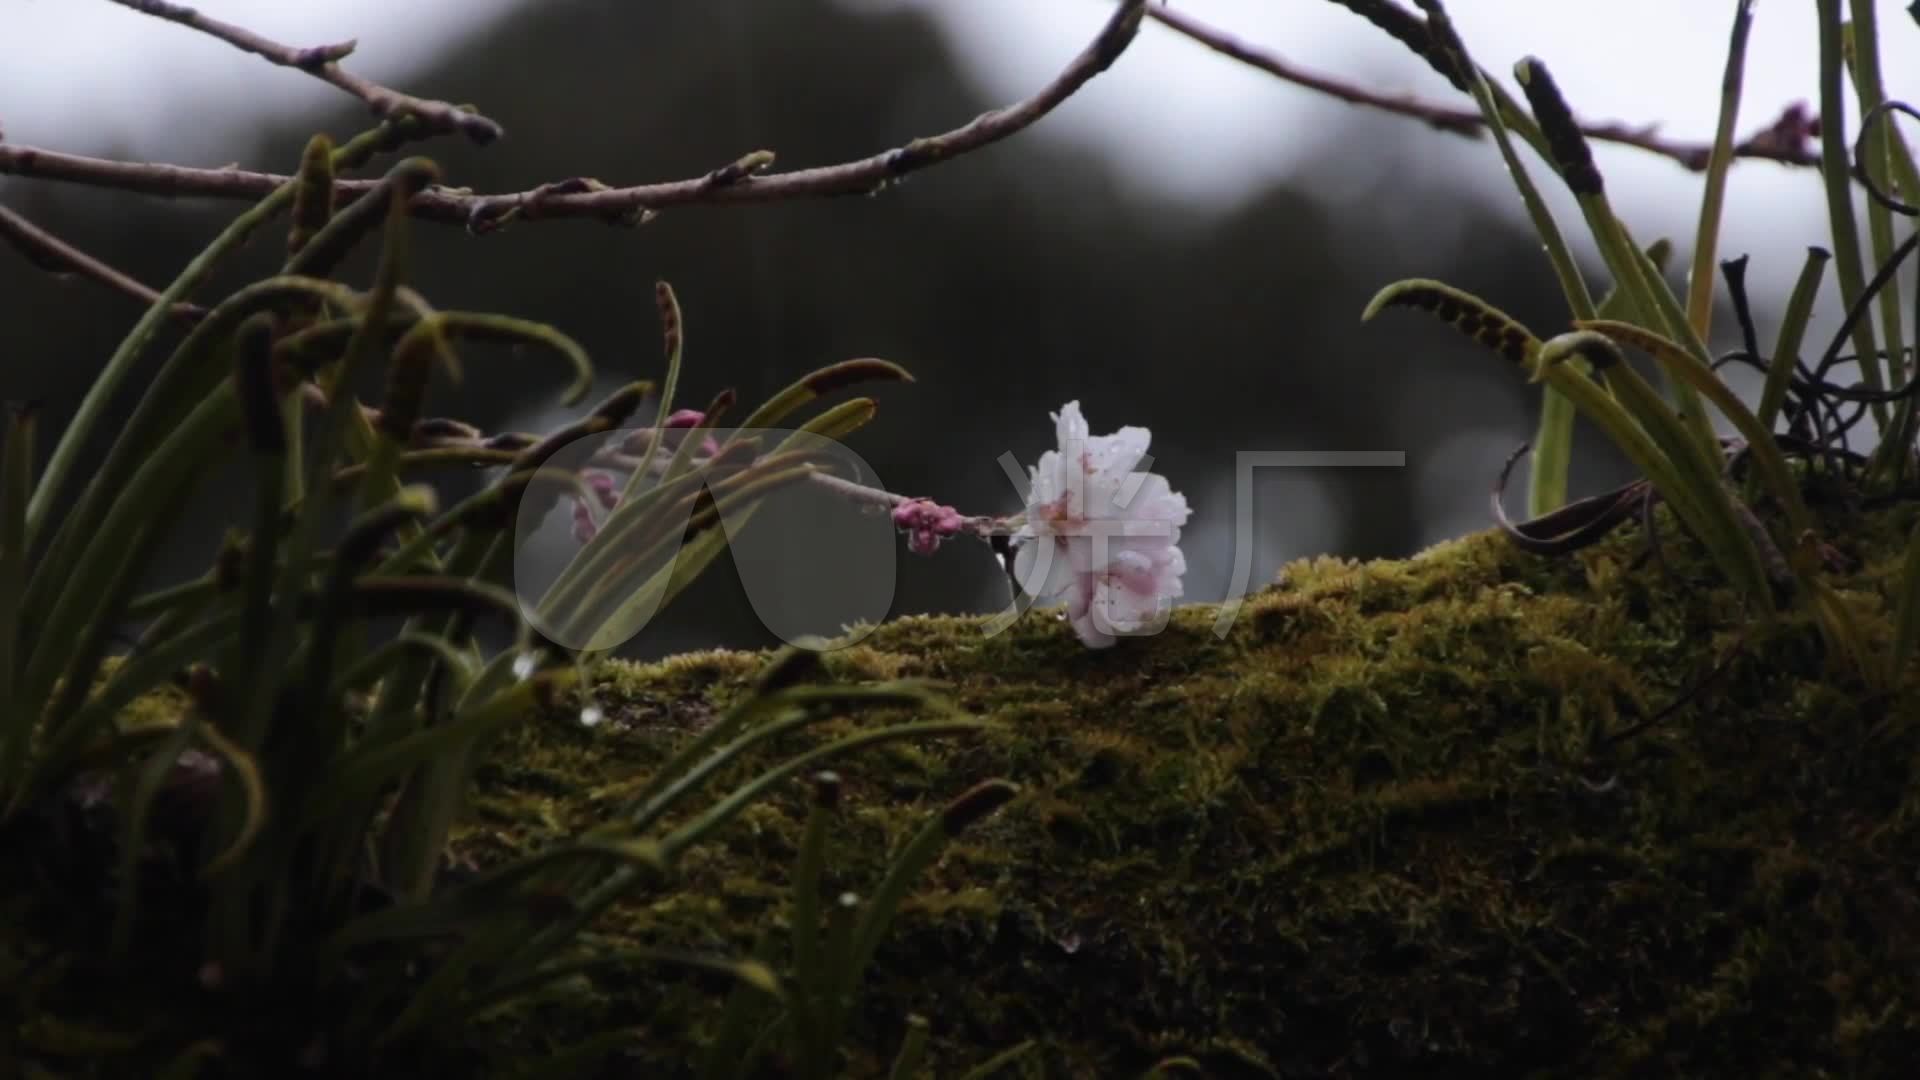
<point>261,408</point>
<point>136,676</point>
<point>730,1054</point>
<point>913,1049</point>
<point>370,668</point>
<point>153,497</point>
<point>144,787</point>
<point>184,385</point>
<point>992,1066</point>
<point>1769,464</point>
<point>1907,620</point>
<point>796,709</point>
<point>1649,296</point>
<point>1860,48</point>
<point>1707,238</point>
<point>400,693</point>
<point>673,334</point>
<point>1793,327</point>
<point>1701,497</point>
<point>705,532</point>
<point>1553,442</point>
<point>1690,487</point>
<point>433,794</point>
<point>16,483</point>
<point>593,563</point>
<point>671,847</point>
<point>364,771</point>
<point>1834,170</point>
<point>842,918</point>
<point>966,809</point>
<point>120,365</point>
<point>809,965</point>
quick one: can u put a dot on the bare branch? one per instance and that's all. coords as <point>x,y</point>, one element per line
<point>580,197</point>
<point>323,63</point>
<point>1785,141</point>
<point>50,253</point>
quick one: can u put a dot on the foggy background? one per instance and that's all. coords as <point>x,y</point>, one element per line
<point>1185,245</point>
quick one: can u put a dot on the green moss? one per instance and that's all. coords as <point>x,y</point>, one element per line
<point>1378,829</point>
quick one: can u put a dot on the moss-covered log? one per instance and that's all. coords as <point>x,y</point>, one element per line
<point>1406,818</point>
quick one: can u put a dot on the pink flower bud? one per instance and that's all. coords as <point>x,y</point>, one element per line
<point>601,483</point>
<point>605,490</point>
<point>926,523</point>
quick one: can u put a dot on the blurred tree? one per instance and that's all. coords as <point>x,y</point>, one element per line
<point>1008,281</point>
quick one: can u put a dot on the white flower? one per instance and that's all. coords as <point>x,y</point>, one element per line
<point>1099,535</point>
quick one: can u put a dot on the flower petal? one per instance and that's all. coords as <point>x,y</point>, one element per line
<point>1068,425</point>
<point>1109,458</point>
<point>1042,569</point>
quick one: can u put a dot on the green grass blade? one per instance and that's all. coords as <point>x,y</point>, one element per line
<point>135,812</point>
<point>136,675</point>
<point>913,1049</point>
<point>16,485</point>
<point>988,1068</point>
<point>1793,328</point>
<point>1701,497</point>
<point>1769,463</point>
<point>1835,172</point>
<point>673,334</point>
<point>1706,238</point>
<point>1906,635</point>
<point>1860,50</point>
<point>730,1054</point>
<point>1651,302</point>
<point>791,711</point>
<point>365,772</point>
<point>969,807</point>
<point>817,384</point>
<point>809,970</point>
<point>192,378</point>
<point>120,365</point>
<point>1685,484</point>
<point>1553,440</point>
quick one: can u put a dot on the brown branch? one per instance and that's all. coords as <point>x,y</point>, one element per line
<point>323,63</point>
<point>54,255</point>
<point>740,182</point>
<point>1787,140</point>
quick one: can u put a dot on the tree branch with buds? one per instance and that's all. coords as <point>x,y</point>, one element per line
<point>323,63</point>
<point>743,181</point>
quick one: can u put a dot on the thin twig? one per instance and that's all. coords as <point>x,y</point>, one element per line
<point>1785,140</point>
<point>873,498</point>
<point>50,253</point>
<point>581,198</point>
<point>323,63</point>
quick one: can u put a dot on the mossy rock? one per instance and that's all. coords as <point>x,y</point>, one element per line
<point>1477,812</point>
